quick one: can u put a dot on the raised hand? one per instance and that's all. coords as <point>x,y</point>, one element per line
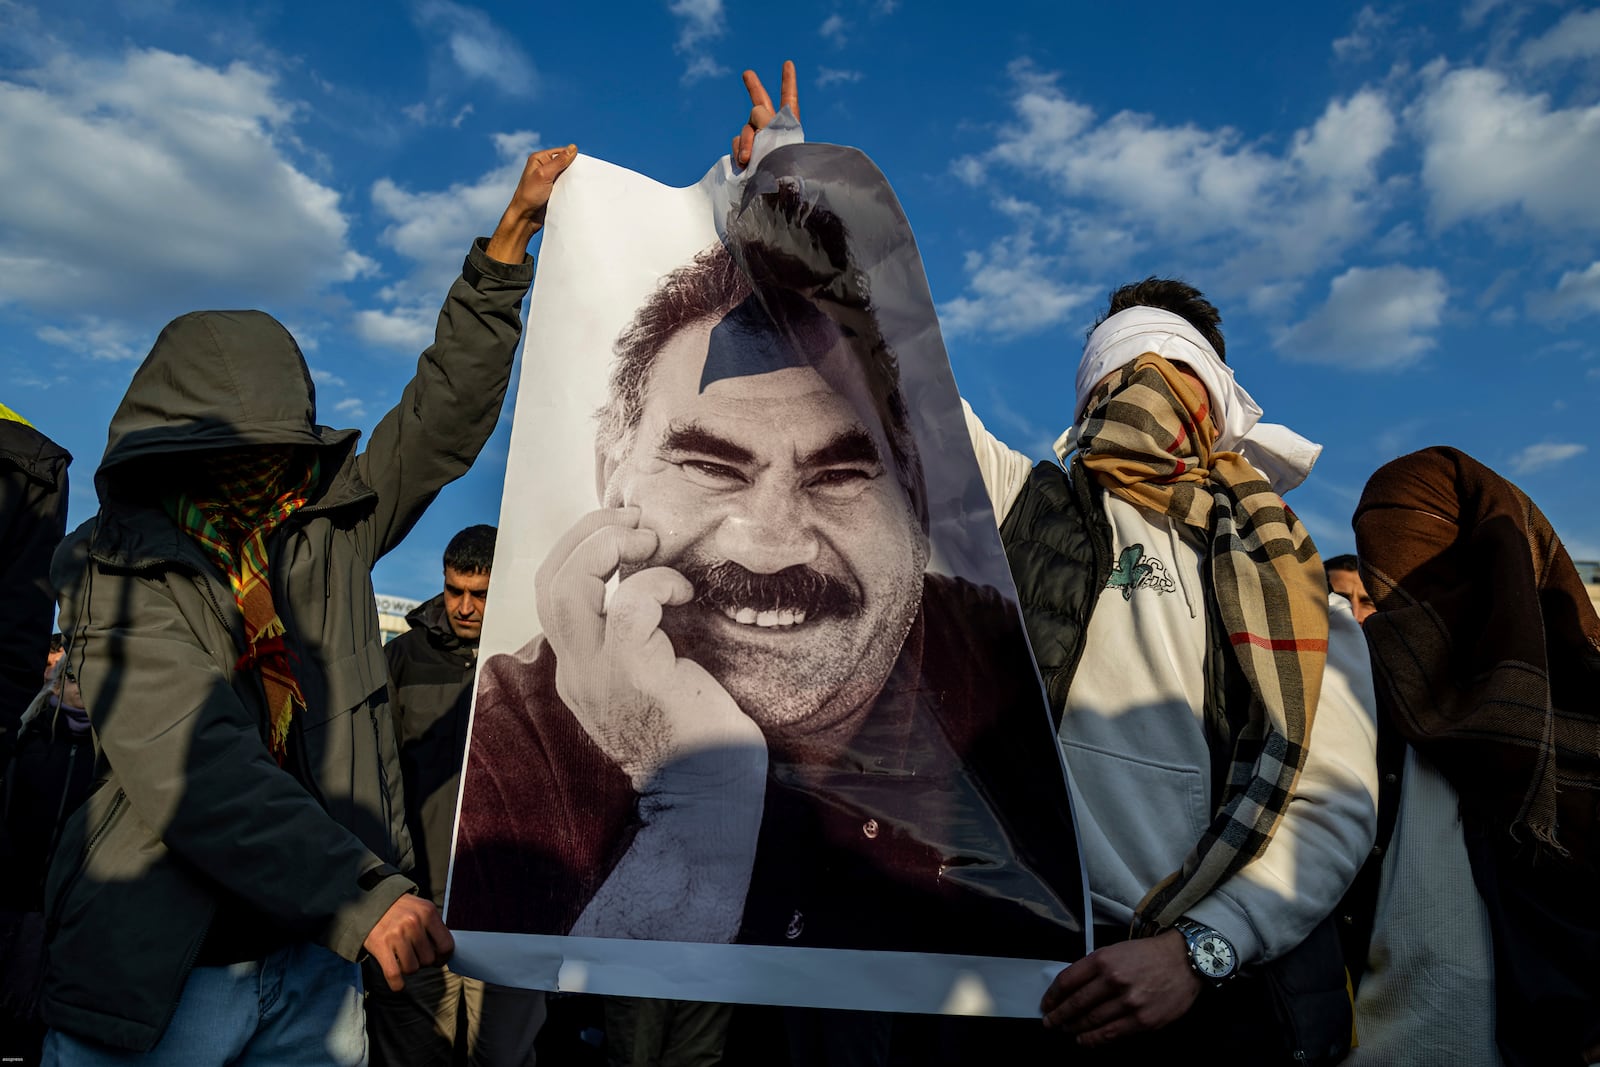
<point>525,214</point>
<point>646,708</point>
<point>761,110</point>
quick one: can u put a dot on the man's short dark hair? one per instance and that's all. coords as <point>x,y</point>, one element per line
<point>795,258</point>
<point>1346,562</point>
<point>471,551</point>
<point>57,643</point>
<point>1176,296</point>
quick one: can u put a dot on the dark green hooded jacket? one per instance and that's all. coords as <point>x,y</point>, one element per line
<point>191,811</point>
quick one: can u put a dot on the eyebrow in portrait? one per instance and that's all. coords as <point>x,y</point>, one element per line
<point>695,439</point>
<point>854,445</point>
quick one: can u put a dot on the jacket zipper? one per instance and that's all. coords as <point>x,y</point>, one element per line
<point>88,851</point>
<point>61,811</point>
<point>383,788</point>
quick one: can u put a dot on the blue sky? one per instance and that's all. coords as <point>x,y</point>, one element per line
<point>1394,205</point>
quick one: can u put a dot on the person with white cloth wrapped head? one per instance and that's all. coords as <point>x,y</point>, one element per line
<point>1214,704</point>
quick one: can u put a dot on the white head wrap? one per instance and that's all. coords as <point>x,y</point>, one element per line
<point>1275,450</point>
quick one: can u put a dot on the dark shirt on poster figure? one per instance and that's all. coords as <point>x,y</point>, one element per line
<point>933,831</point>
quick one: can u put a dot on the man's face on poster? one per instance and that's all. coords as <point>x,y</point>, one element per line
<point>772,488</point>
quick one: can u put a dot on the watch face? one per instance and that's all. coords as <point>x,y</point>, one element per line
<point>1212,955</point>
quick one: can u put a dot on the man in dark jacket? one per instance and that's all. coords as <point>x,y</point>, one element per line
<point>244,843</point>
<point>33,516</point>
<point>432,667</point>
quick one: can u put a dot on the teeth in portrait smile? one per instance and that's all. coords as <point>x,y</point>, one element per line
<point>752,617</point>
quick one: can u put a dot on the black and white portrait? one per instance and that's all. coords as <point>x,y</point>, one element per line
<point>767,684</point>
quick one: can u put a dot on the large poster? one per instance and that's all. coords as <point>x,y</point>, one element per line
<point>756,718</point>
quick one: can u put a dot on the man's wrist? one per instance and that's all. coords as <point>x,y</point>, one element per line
<point>509,242</point>
<point>1211,956</point>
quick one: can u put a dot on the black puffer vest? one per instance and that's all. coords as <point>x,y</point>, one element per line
<point>1058,542</point>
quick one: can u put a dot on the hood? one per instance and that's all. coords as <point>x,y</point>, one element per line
<point>217,379</point>
<point>35,455</point>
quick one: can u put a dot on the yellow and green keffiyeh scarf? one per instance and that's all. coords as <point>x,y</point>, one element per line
<point>1147,439</point>
<point>239,496</point>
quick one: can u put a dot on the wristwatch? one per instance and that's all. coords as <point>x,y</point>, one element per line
<point>1210,954</point>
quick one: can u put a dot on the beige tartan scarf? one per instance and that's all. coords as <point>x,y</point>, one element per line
<point>1147,438</point>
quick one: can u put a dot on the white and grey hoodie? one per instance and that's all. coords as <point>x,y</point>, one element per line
<point>1134,739</point>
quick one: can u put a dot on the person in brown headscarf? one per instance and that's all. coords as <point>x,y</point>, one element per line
<point>1486,653</point>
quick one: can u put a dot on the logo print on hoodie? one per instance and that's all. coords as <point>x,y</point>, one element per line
<point>1132,573</point>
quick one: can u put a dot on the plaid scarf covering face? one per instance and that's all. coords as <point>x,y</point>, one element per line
<point>1486,646</point>
<point>246,493</point>
<point>1148,440</point>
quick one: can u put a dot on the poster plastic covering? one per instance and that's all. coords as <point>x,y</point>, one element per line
<point>756,719</point>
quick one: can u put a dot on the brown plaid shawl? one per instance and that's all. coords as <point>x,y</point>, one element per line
<point>1147,439</point>
<point>1486,647</point>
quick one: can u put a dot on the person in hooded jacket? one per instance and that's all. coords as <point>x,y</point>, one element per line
<point>33,516</point>
<point>432,666</point>
<point>244,842</point>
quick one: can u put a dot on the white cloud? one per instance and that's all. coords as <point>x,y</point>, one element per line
<point>427,228</point>
<point>833,28</point>
<point>1538,457</point>
<point>1370,27</point>
<point>699,21</point>
<point>1577,36</point>
<point>477,47</point>
<point>351,407</point>
<point>1489,148</point>
<point>1473,14</point>
<point>828,76</point>
<point>437,113</point>
<point>1010,293</point>
<point>408,328</point>
<point>96,156</point>
<point>1259,216</point>
<point>969,170</point>
<point>1377,318</point>
<point>98,339</point>
<point>701,67</point>
<point>1577,293</point>
<point>1345,143</point>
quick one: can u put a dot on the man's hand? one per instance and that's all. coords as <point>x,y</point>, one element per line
<point>1123,989</point>
<point>408,937</point>
<point>761,111</point>
<point>646,708</point>
<point>525,214</point>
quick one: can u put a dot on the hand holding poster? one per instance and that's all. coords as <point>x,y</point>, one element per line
<point>757,719</point>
